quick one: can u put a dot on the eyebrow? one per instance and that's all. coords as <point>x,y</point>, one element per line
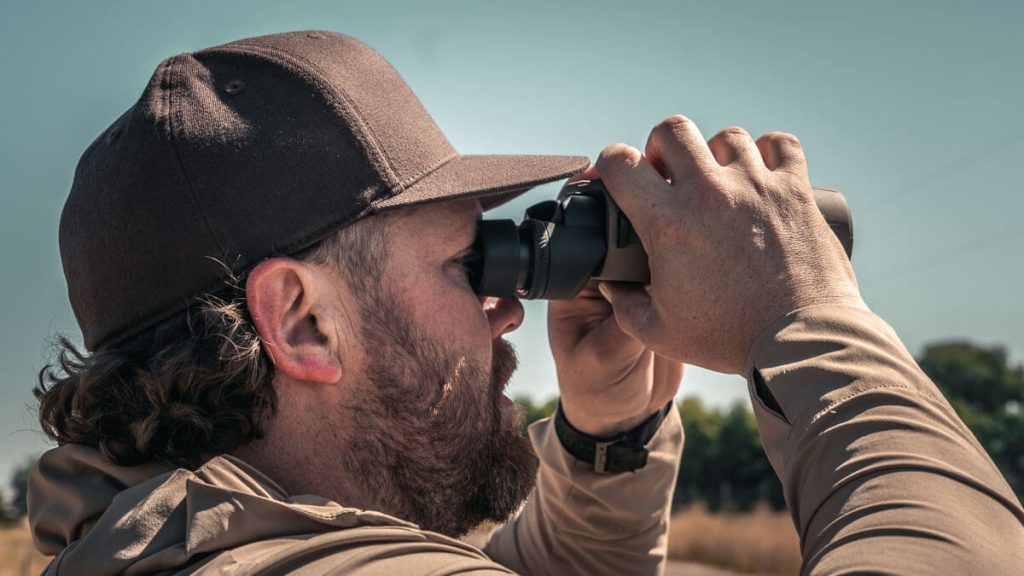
<point>476,232</point>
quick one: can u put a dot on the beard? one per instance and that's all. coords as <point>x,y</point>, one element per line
<point>432,442</point>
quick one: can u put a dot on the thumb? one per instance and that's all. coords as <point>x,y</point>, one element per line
<point>631,305</point>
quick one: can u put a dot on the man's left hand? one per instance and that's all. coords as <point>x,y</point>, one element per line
<point>609,381</point>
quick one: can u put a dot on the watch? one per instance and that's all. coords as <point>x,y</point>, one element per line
<point>624,452</point>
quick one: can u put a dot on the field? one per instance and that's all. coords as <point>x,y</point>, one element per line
<point>17,556</point>
<point>760,542</point>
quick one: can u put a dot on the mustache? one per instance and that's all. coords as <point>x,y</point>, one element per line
<point>504,363</point>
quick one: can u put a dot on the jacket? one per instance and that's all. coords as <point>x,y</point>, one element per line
<point>229,518</point>
<point>879,473</point>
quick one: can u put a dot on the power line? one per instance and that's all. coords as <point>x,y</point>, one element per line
<point>981,152</point>
<point>901,272</point>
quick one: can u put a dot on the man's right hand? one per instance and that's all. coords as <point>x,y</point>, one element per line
<point>734,238</point>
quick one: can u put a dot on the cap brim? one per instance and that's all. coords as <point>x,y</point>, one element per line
<point>495,179</point>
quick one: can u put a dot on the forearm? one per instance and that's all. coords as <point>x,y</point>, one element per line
<point>879,472</point>
<point>580,522</point>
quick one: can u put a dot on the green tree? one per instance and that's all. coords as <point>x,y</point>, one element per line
<point>987,393</point>
<point>699,475</point>
<point>534,412</point>
<point>723,463</point>
<point>750,475</point>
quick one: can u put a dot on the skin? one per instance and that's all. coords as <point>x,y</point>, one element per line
<point>335,433</point>
<point>697,205</point>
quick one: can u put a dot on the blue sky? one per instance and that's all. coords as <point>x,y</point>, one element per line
<point>912,109</point>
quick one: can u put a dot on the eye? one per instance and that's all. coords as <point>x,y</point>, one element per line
<point>466,262</point>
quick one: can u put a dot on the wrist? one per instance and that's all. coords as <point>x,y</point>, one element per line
<point>623,452</point>
<point>604,427</point>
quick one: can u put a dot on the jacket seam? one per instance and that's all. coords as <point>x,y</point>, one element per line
<point>309,72</point>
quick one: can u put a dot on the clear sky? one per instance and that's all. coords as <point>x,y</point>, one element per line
<point>912,109</point>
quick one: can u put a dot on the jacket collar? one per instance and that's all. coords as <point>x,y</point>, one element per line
<point>105,519</point>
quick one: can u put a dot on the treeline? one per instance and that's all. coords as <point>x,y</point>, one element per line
<point>723,464</point>
<point>15,506</point>
<point>725,467</point>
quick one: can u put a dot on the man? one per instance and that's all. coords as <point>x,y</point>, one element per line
<point>288,369</point>
<point>337,407</point>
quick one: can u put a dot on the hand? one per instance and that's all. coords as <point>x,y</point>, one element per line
<point>610,382</point>
<point>734,238</point>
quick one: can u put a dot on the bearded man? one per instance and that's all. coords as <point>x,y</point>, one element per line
<point>289,372</point>
<point>287,367</point>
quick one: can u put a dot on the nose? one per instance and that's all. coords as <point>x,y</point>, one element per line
<point>503,314</point>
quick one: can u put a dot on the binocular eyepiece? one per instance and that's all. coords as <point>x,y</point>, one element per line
<point>563,244</point>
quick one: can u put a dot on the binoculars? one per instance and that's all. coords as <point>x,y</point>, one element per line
<point>563,244</point>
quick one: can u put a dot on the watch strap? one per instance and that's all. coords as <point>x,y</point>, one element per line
<point>624,452</point>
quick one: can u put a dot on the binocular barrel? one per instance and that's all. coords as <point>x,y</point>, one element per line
<point>582,236</point>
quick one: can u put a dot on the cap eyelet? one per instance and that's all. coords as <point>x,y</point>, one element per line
<point>114,134</point>
<point>234,87</point>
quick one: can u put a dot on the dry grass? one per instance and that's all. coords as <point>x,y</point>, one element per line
<point>759,542</point>
<point>17,555</point>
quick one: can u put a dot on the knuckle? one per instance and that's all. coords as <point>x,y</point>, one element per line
<point>618,155</point>
<point>733,132</point>
<point>674,121</point>
<point>780,138</point>
<point>669,127</point>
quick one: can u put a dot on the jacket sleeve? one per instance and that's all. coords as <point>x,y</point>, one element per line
<point>580,522</point>
<point>879,473</point>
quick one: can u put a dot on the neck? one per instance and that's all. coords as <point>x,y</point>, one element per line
<point>308,457</point>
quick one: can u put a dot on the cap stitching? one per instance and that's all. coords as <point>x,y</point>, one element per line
<point>365,135</point>
<point>506,189</point>
<point>414,178</point>
<point>511,187</point>
<point>524,187</point>
<point>168,72</point>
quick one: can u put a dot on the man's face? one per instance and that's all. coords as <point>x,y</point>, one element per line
<point>438,442</point>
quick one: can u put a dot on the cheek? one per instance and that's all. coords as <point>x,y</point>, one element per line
<point>462,317</point>
<point>452,312</point>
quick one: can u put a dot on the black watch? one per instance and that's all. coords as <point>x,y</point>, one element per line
<point>625,452</point>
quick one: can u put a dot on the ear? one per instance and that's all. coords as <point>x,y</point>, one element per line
<point>282,296</point>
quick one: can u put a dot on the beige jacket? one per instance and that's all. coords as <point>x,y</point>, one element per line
<point>228,518</point>
<point>880,475</point>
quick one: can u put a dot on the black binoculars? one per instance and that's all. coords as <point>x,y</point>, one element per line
<point>563,244</point>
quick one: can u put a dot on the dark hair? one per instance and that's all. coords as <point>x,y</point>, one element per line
<point>194,387</point>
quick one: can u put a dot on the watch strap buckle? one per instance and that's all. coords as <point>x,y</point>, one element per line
<point>615,456</point>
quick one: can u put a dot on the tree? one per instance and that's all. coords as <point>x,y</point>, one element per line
<point>700,477</point>
<point>19,486</point>
<point>723,463</point>
<point>7,514</point>
<point>987,393</point>
<point>534,412</point>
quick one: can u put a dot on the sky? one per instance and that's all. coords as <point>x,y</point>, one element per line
<point>911,109</point>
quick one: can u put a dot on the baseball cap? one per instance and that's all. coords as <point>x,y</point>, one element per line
<point>252,149</point>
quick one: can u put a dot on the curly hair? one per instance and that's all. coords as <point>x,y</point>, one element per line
<point>194,387</point>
